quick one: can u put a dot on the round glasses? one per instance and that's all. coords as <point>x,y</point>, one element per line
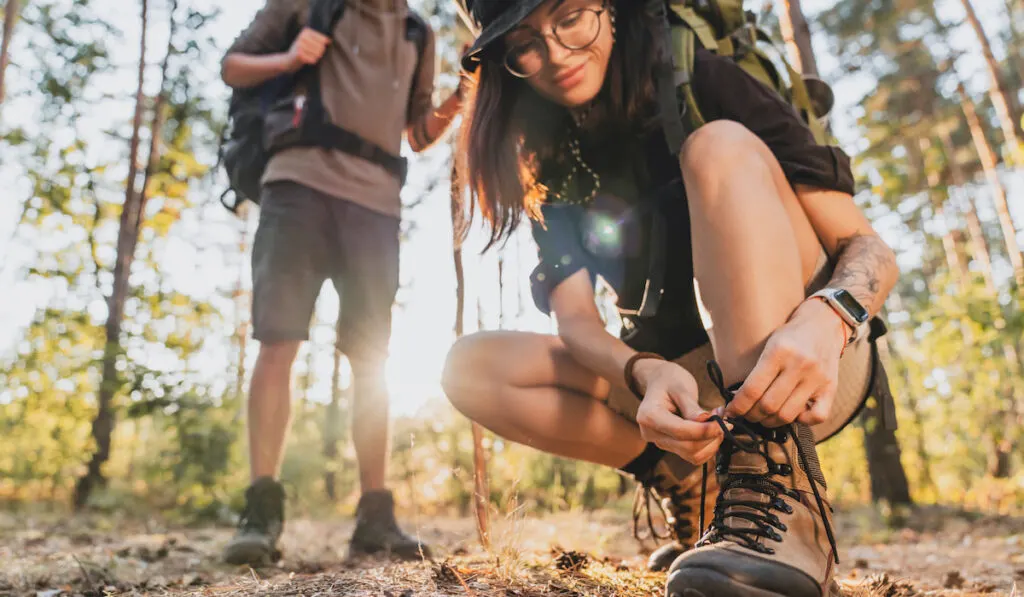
<point>576,31</point>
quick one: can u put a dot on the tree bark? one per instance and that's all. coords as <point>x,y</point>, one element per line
<point>241,306</point>
<point>481,490</point>
<point>938,200</point>
<point>10,16</point>
<point>332,426</point>
<point>979,246</point>
<point>997,91</point>
<point>797,35</point>
<point>988,163</point>
<point>110,384</point>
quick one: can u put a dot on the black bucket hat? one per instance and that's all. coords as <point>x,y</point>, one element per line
<point>493,19</point>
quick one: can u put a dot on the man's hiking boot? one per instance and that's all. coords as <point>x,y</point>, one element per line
<point>259,528</point>
<point>377,530</point>
<point>681,503</point>
<point>675,487</point>
<point>771,534</point>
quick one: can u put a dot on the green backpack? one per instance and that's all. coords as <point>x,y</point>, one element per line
<point>723,27</point>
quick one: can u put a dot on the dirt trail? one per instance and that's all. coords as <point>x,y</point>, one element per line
<point>569,554</point>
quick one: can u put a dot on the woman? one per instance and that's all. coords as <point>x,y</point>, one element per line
<point>563,127</point>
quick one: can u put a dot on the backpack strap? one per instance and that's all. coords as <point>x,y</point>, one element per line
<point>664,78</point>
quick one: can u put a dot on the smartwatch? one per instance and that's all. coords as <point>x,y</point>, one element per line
<point>847,307</point>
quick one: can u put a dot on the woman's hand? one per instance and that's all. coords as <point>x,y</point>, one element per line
<point>795,379</point>
<point>670,415</point>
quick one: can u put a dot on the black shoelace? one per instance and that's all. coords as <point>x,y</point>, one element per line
<point>766,523</point>
<point>645,493</point>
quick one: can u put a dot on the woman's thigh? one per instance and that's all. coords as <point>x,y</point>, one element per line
<point>489,360</point>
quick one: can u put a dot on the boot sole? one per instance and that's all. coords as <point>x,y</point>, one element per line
<point>252,554</point>
<point>403,555</point>
<point>704,582</point>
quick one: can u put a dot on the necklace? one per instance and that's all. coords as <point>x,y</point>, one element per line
<point>578,164</point>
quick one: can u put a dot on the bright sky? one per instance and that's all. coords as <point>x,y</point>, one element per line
<point>425,312</point>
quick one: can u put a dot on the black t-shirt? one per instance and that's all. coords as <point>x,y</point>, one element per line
<point>633,223</point>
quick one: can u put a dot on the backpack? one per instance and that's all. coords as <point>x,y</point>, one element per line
<point>723,27</point>
<point>288,111</point>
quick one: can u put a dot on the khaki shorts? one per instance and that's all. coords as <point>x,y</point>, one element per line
<point>855,370</point>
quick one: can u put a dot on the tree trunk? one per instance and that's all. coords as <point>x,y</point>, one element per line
<point>10,16</point>
<point>242,306</point>
<point>481,490</point>
<point>979,246</point>
<point>949,246</point>
<point>997,91</point>
<point>110,384</point>
<point>332,426</point>
<point>988,163</point>
<point>797,35</point>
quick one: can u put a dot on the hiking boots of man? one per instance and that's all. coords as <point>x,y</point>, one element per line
<point>377,531</point>
<point>260,526</point>
<point>771,534</point>
<point>681,503</point>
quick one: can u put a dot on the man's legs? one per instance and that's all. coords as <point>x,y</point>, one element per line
<point>365,273</point>
<point>288,259</point>
<point>270,396</point>
<point>370,424</point>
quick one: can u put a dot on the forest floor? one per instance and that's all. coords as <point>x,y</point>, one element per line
<point>938,552</point>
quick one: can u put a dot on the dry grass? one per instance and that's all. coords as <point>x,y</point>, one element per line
<point>555,556</point>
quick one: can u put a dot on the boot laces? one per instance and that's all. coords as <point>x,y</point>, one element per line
<point>766,523</point>
<point>680,528</point>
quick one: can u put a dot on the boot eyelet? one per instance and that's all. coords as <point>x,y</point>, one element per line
<point>785,470</point>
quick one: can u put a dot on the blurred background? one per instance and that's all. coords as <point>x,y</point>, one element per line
<point>124,342</point>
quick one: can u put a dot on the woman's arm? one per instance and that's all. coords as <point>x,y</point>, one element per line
<point>670,415</point>
<point>865,265</point>
<point>581,329</point>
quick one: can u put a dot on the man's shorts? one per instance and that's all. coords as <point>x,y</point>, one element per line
<point>306,237</point>
<point>854,383</point>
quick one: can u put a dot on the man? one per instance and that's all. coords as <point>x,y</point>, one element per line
<point>329,214</point>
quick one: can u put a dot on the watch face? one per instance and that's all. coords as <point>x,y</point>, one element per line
<point>852,305</point>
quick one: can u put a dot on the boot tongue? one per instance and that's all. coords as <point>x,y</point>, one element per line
<point>782,464</point>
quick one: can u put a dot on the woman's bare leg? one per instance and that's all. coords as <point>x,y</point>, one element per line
<point>753,246</point>
<point>528,389</point>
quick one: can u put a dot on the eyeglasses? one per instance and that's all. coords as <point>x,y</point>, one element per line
<point>576,31</point>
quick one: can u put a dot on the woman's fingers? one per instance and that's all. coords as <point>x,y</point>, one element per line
<point>695,452</point>
<point>775,397</point>
<point>795,404</point>
<point>760,379</point>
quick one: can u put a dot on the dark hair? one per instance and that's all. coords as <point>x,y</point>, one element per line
<point>509,143</point>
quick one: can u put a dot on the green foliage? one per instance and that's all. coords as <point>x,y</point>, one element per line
<point>180,443</point>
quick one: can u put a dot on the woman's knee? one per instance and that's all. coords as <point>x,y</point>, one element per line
<point>467,371</point>
<point>718,151</point>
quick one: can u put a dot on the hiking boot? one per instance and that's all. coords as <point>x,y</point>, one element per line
<point>771,534</point>
<point>260,526</point>
<point>681,504</point>
<point>377,530</point>
<point>674,486</point>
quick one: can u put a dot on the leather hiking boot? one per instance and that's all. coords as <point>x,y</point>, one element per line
<point>674,486</point>
<point>771,534</point>
<point>682,506</point>
<point>377,530</point>
<point>260,526</point>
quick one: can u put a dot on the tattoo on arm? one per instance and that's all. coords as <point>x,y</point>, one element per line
<point>863,268</point>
